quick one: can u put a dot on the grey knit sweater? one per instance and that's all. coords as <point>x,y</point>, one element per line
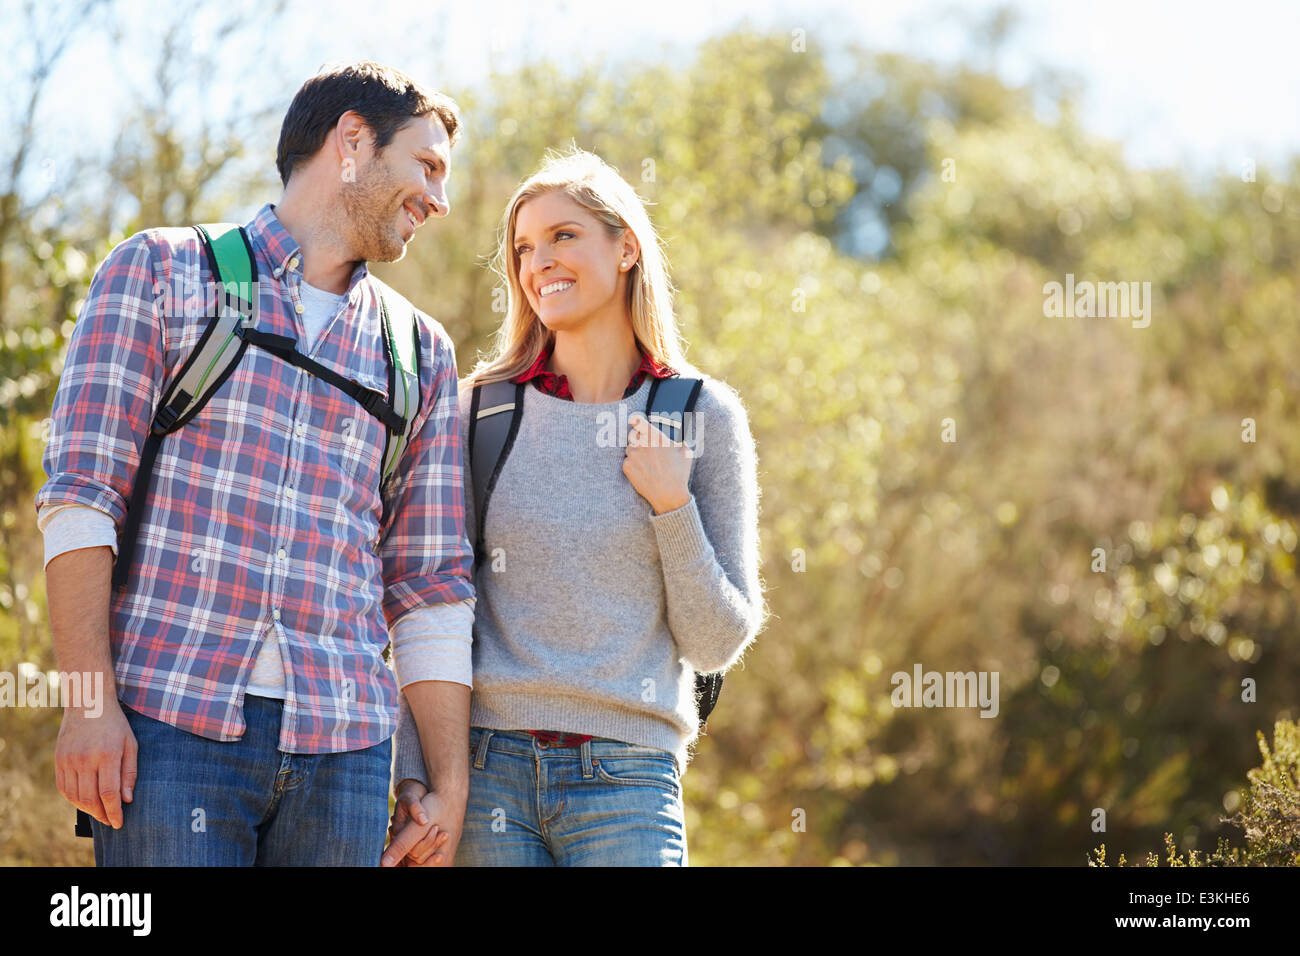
<point>593,613</point>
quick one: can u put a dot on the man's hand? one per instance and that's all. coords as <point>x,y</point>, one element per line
<point>95,762</point>
<point>94,757</point>
<point>425,828</point>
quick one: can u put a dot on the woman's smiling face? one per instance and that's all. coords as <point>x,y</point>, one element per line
<point>569,266</point>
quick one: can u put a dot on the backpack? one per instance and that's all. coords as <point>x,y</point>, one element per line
<point>232,330</point>
<point>492,434</point>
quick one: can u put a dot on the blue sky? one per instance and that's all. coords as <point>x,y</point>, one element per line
<point>1193,84</point>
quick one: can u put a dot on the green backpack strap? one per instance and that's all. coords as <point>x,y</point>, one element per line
<point>402,345</point>
<point>230,259</point>
<point>231,262</point>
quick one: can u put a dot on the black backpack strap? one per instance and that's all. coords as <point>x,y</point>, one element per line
<point>670,401</point>
<point>494,414</point>
<point>374,402</point>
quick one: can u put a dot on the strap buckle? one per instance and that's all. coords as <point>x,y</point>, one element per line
<point>375,404</point>
<point>165,418</point>
<point>369,398</point>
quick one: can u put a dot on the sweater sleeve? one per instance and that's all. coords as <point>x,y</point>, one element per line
<point>408,756</point>
<point>709,546</point>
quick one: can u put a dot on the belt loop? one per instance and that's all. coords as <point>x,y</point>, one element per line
<point>480,755</point>
<point>588,772</point>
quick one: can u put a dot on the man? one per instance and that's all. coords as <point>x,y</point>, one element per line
<point>247,642</point>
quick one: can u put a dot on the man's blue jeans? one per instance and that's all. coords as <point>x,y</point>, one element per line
<point>201,802</point>
<point>604,803</point>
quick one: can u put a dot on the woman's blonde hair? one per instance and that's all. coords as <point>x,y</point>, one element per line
<point>596,186</point>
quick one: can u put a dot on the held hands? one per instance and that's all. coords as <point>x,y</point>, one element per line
<point>425,827</point>
<point>658,468</point>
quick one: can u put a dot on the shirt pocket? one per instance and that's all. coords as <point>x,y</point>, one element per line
<point>349,440</point>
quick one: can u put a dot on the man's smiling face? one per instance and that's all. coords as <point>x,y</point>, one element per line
<point>397,189</point>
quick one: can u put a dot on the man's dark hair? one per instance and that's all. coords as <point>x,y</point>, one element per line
<point>387,100</point>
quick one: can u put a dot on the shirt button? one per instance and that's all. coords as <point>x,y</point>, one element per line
<point>300,428</point>
<point>293,263</point>
<point>276,271</point>
<point>298,308</point>
<point>281,554</point>
<point>276,614</point>
<point>290,493</point>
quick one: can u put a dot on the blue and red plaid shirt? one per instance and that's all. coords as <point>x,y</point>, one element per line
<point>555,384</point>
<point>265,510</point>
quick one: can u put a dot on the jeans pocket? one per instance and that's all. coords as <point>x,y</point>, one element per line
<point>640,771</point>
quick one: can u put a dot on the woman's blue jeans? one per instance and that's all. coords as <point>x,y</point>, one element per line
<point>603,803</point>
<point>201,802</point>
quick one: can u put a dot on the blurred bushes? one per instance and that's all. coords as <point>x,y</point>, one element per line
<point>1269,815</point>
<point>883,544</point>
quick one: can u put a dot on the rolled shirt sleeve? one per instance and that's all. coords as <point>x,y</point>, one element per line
<point>435,643</point>
<point>73,527</point>
<point>112,377</point>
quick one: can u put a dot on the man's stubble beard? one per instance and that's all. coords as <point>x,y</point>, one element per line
<point>368,219</point>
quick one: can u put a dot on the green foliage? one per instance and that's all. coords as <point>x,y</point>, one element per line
<point>883,545</point>
<point>1269,815</point>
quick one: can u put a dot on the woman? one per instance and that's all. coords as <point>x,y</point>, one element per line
<point>613,571</point>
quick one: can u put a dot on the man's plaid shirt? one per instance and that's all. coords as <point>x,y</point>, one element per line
<point>265,509</point>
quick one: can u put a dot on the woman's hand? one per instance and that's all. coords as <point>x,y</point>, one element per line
<point>658,467</point>
<point>415,839</point>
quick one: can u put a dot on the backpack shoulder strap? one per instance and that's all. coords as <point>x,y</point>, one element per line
<point>402,347</point>
<point>670,401</point>
<point>232,264</point>
<point>494,414</point>
<point>233,267</point>
<point>230,255</point>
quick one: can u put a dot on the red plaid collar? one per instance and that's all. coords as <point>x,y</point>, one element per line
<point>558,385</point>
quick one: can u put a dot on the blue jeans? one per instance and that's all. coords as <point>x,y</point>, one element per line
<point>604,803</point>
<point>201,802</point>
